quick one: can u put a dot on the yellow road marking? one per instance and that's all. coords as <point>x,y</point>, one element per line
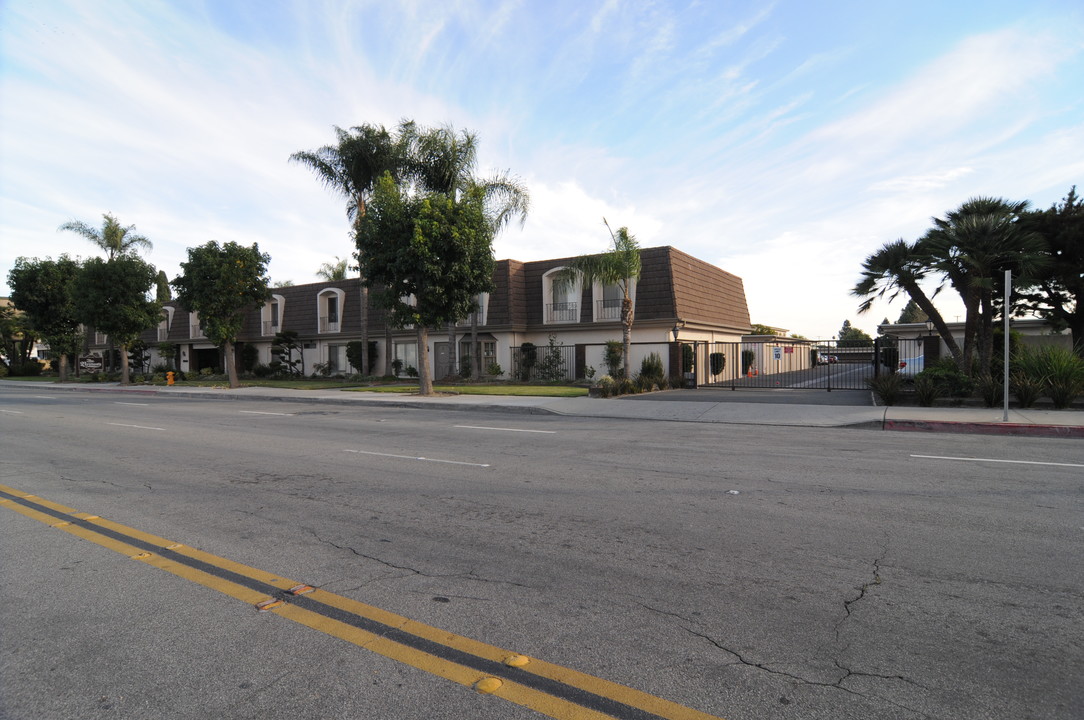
<point>520,693</point>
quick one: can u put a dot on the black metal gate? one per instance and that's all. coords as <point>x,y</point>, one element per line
<point>798,364</point>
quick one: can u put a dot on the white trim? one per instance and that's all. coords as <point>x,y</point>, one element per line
<point>569,312</point>
<point>324,324</point>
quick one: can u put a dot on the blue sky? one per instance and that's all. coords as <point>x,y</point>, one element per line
<point>783,142</point>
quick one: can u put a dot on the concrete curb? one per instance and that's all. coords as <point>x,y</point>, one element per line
<point>973,428</point>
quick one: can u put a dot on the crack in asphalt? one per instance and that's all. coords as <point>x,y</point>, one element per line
<point>469,575</point>
<point>847,672</point>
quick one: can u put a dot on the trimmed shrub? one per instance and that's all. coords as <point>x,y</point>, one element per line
<point>717,361</point>
<point>748,357</point>
<point>651,369</point>
<point>612,356</point>
<point>949,379</point>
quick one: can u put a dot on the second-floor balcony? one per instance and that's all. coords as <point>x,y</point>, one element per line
<point>163,334</point>
<point>270,327</point>
<point>195,331</point>
<point>562,312</point>
<point>608,309</point>
<point>329,324</point>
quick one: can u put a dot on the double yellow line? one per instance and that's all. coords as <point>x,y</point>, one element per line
<point>550,689</point>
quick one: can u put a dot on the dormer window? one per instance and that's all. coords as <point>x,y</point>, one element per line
<point>163,326</point>
<point>609,299</point>
<point>560,300</point>
<point>195,329</point>
<point>329,305</point>
<point>271,315</point>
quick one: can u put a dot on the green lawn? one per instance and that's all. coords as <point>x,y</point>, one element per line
<point>532,390</point>
<point>311,384</point>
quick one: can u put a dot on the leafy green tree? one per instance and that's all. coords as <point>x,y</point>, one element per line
<point>430,247</point>
<point>43,290</point>
<point>114,238</point>
<point>899,267</point>
<point>16,336</point>
<point>911,313</point>
<point>758,329</point>
<point>972,246</point>
<point>351,168</point>
<point>112,298</point>
<point>221,283</point>
<point>162,291</point>
<point>619,266</point>
<point>1056,291</point>
<point>283,347</point>
<point>852,337</point>
<point>444,160</point>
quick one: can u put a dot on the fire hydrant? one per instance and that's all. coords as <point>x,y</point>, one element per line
<point>169,378</point>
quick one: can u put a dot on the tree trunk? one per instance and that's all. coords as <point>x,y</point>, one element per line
<point>62,368</point>
<point>626,332</point>
<point>934,314</point>
<point>231,365</point>
<point>388,369</point>
<point>475,350</point>
<point>452,352</point>
<point>971,328</point>
<point>425,377</point>
<point>986,332</point>
<point>365,369</point>
<point>124,378</point>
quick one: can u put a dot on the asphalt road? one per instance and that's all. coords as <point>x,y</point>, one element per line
<point>746,572</point>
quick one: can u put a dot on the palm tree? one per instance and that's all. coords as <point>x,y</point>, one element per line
<point>899,267</point>
<point>113,237</point>
<point>442,160</point>
<point>333,271</point>
<point>973,246</point>
<point>350,168</point>
<point>619,266</point>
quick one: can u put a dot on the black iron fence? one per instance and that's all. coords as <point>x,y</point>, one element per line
<point>544,362</point>
<point>807,364</point>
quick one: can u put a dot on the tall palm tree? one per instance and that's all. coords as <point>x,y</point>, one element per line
<point>333,271</point>
<point>973,246</point>
<point>113,237</point>
<point>899,267</point>
<point>351,167</point>
<point>442,160</point>
<point>619,266</point>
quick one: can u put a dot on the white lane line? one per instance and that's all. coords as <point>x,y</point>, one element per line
<point>1014,462</point>
<point>412,457</point>
<point>12,412</point>
<point>483,427</point>
<point>140,427</point>
<point>115,402</point>
<point>257,412</point>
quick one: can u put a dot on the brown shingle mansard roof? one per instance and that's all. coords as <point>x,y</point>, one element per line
<point>672,285</point>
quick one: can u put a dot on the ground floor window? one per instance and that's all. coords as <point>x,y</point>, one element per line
<point>336,359</point>
<point>406,353</point>
<point>489,353</point>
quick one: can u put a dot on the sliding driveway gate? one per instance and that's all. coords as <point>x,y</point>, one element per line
<point>807,364</point>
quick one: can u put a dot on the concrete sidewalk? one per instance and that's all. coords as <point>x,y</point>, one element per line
<point>729,409</point>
